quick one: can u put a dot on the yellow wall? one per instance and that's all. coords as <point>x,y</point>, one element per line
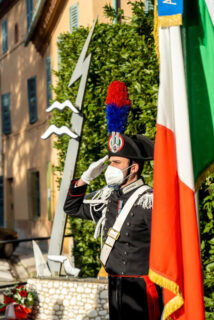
<point>23,149</point>
<point>88,11</point>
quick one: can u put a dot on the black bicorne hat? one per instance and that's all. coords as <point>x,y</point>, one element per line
<point>137,147</point>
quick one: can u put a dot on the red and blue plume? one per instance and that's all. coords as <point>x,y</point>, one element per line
<point>118,106</point>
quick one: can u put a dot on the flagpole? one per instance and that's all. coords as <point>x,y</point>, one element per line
<point>198,215</point>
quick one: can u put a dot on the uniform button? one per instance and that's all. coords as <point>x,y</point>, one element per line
<point>124,262</point>
<point>127,244</point>
<point>127,234</point>
<point>122,272</point>
<point>128,224</point>
<point>132,214</point>
<point>125,252</point>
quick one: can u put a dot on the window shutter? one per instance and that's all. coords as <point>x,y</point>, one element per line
<point>74,17</point>
<point>32,99</point>
<point>48,80</point>
<point>34,193</point>
<point>6,118</point>
<point>29,6</point>
<point>4,36</point>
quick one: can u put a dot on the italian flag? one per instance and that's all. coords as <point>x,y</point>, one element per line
<point>184,150</point>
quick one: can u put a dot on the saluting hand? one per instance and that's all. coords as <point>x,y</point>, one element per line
<point>94,170</point>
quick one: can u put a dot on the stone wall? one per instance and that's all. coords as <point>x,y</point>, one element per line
<point>70,299</point>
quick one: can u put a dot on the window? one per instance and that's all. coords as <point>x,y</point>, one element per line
<point>6,118</point>
<point>74,17</point>
<point>48,80</point>
<point>29,6</point>
<point>34,192</point>
<point>32,99</point>
<point>4,36</point>
<point>16,33</point>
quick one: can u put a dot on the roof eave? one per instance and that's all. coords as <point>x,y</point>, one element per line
<point>35,19</point>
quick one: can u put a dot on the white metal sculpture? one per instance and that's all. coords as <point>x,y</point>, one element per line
<point>42,269</point>
<point>59,132</point>
<point>62,106</point>
<point>69,270</point>
<point>62,130</point>
<point>80,71</point>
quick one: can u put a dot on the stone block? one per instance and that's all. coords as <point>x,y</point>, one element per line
<point>92,313</point>
<point>104,294</point>
<point>65,303</point>
<point>56,307</point>
<point>80,289</point>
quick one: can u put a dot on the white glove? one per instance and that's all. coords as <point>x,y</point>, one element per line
<point>94,170</point>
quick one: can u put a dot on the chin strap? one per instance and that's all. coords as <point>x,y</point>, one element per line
<point>128,172</point>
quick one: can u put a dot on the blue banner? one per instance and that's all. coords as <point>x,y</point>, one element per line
<point>170,7</point>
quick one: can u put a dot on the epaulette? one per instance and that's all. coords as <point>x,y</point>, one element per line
<point>146,200</point>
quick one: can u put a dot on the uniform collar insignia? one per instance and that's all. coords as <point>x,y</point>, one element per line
<point>132,186</point>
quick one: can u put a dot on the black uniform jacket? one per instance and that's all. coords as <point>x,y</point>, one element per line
<point>130,254</point>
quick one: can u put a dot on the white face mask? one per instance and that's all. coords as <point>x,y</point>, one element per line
<point>114,176</point>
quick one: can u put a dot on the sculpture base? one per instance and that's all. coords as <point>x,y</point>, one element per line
<point>69,299</point>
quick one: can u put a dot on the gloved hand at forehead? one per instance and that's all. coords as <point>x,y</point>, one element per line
<point>94,170</point>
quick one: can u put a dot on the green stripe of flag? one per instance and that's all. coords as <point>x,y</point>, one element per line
<point>198,48</point>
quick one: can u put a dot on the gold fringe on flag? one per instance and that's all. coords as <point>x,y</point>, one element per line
<point>164,22</point>
<point>208,171</point>
<point>175,303</point>
<point>169,21</point>
<point>156,29</point>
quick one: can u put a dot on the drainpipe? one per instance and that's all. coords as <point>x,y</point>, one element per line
<point>115,7</point>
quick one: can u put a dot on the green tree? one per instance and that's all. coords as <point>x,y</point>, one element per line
<point>206,200</point>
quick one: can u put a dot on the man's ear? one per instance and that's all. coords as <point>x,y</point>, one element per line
<point>135,167</point>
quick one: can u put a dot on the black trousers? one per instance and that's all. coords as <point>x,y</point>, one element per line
<point>128,299</point>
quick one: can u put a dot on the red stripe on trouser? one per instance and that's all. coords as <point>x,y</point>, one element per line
<point>151,293</point>
<point>152,299</point>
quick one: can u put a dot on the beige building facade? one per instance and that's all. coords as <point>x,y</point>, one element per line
<point>29,31</point>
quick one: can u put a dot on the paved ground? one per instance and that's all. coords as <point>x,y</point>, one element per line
<point>19,267</point>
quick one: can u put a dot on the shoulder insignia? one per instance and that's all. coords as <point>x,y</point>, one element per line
<point>146,200</point>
